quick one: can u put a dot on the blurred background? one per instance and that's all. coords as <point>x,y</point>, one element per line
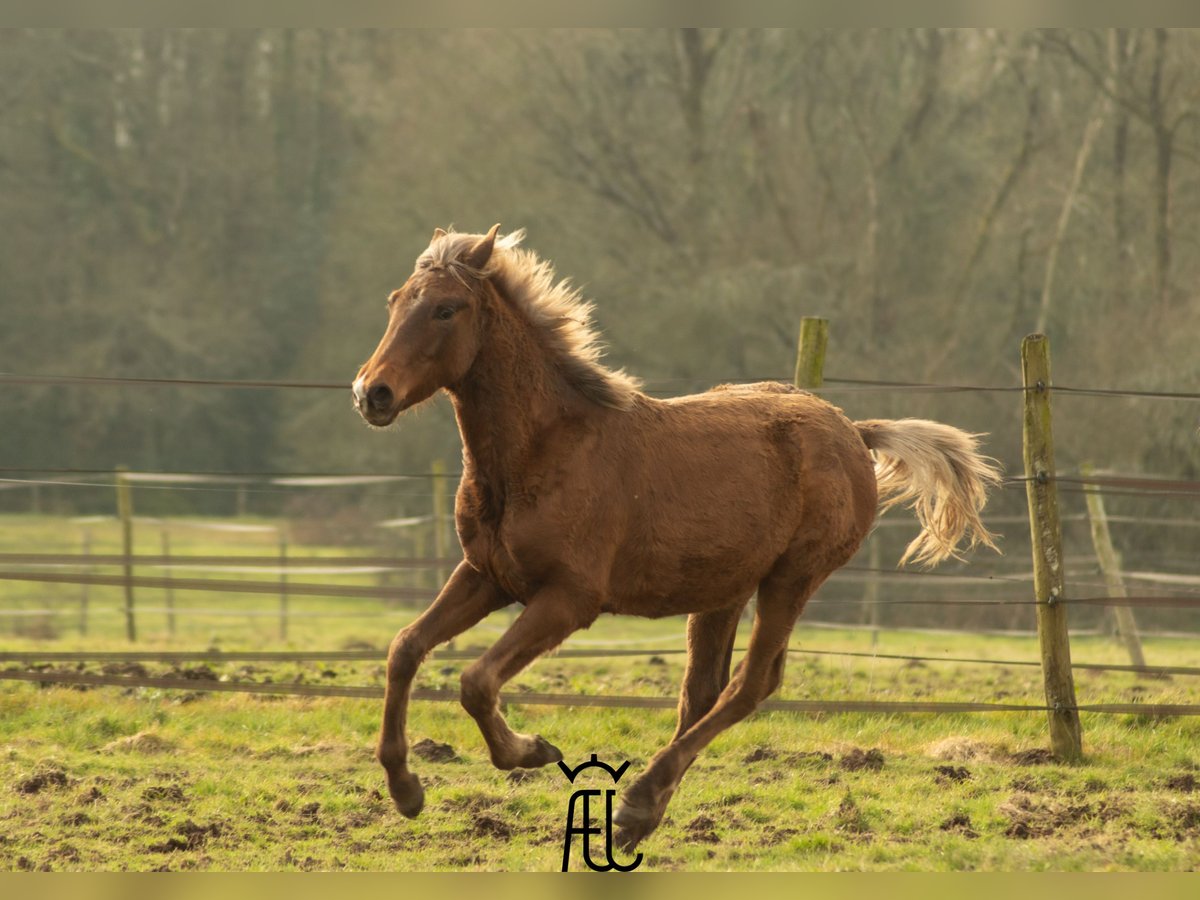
<point>235,205</point>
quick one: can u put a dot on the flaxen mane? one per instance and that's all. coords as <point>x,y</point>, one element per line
<point>555,308</point>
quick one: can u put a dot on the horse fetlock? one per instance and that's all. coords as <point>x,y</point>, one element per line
<point>407,793</point>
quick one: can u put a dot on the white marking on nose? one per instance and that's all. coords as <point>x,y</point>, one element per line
<point>359,391</point>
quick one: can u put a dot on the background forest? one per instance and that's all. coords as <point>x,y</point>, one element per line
<point>238,204</point>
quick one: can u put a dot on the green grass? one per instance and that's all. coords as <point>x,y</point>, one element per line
<point>114,779</point>
<point>250,783</point>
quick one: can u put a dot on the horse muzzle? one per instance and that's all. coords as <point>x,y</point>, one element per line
<point>376,403</point>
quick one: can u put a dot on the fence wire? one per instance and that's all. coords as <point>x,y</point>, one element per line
<point>378,656</point>
<point>533,698</point>
<point>658,384</point>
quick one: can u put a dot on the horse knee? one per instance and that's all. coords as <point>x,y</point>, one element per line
<point>404,657</point>
<point>477,693</point>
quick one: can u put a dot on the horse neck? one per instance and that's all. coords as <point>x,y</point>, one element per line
<point>511,397</point>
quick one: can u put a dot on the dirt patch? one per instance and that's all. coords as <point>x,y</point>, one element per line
<point>858,759</point>
<point>359,819</point>
<point>1038,756</point>
<point>1031,817</point>
<point>1185,782</point>
<point>308,812</point>
<point>490,826</point>
<point>41,780</point>
<point>125,668</point>
<point>849,818</point>
<point>960,823</point>
<point>758,754</point>
<point>1186,817</point>
<point>773,835</point>
<point>91,795</point>
<point>435,752</point>
<point>76,819</point>
<point>172,792</point>
<point>195,673</point>
<point>66,853</point>
<point>952,773</point>
<point>190,836</point>
<point>1111,808</point>
<point>702,829</point>
<point>142,742</point>
<point>960,749</point>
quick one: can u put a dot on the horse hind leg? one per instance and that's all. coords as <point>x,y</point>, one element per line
<point>780,602</point>
<point>710,637</point>
<point>549,617</point>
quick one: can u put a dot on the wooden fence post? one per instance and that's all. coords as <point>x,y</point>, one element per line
<point>1065,738</point>
<point>1111,567</point>
<point>283,584</point>
<point>810,355</point>
<point>125,513</point>
<point>168,590</point>
<point>810,375</point>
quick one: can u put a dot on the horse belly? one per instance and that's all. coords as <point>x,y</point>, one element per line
<point>697,580</point>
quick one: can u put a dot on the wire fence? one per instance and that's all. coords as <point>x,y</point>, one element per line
<point>31,568</point>
<point>659,384</point>
<point>534,698</point>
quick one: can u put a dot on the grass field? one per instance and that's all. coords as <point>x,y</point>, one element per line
<point>111,778</point>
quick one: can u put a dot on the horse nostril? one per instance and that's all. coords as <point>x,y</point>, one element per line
<point>379,397</point>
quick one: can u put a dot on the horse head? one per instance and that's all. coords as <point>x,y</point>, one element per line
<point>434,329</point>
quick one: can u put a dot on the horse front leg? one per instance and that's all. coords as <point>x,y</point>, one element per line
<point>466,599</point>
<point>549,617</point>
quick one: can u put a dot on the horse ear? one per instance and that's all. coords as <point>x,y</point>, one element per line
<point>477,257</point>
<point>437,233</point>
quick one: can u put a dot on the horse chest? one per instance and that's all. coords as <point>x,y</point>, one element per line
<point>486,551</point>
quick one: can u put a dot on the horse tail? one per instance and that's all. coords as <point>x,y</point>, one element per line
<point>938,471</point>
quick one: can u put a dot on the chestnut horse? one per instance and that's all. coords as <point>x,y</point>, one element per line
<point>581,495</point>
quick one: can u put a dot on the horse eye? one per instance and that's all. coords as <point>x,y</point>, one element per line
<point>443,313</point>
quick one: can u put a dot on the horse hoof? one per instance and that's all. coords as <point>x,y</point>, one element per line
<point>407,794</point>
<point>537,752</point>
<point>545,752</point>
<point>631,831</point>
<point>635,822</point>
